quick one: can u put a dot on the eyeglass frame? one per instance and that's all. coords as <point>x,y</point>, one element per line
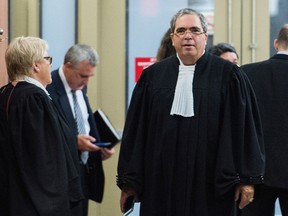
<point>49,59</point>
<point>195,31</point>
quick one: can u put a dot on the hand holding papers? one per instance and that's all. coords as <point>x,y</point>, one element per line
<point>106,130</point>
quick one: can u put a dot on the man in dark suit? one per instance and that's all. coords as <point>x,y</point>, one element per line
<point>70,82</point>
<point>270,81</point>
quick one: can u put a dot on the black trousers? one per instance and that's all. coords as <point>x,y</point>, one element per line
<point>84,184</point>
<point>264,202</point>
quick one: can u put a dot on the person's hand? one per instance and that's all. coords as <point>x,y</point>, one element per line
<point>247,194</point>
<point>85,143</point>
<point>125,193</point>
<point>106,153</point>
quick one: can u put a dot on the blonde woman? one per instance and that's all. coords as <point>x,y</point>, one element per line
<point>39,172</point>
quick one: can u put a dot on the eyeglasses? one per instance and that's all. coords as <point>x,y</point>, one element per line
<point>48,58</point>
<point>181,32</point>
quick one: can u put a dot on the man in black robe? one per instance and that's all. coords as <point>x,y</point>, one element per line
<point>269,79</point>
<point>192,141</point>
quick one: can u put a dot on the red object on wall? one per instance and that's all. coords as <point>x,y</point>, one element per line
<point>141,63</point>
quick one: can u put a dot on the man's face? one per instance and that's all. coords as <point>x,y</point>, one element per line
<point>189,39</point>
<point>78,76</point>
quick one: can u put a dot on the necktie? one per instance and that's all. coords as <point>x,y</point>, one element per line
<point>80,123</point>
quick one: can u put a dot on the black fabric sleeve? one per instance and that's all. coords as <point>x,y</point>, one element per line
<point>240,156</point>
<point>133,139</point>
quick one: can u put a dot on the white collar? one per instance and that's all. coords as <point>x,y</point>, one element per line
<point>64,81</point>
<point>35,82</point>
<point>183,102</point>
<point>283,52</point>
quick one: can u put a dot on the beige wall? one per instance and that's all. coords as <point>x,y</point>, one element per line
<point>24,22</point>
<point>248,27</point>
<point>102,24</point>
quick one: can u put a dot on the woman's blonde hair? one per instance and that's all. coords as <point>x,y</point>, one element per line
<point>22,53</point>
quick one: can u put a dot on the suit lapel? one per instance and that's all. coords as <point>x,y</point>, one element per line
<point>63,102</point>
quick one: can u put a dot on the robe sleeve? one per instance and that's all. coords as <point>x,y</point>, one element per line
<point>130,164</point>
<point>240,158</point>
<point>39,154</point>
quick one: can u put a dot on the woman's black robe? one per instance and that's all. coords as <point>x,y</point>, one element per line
<point>39,172</point>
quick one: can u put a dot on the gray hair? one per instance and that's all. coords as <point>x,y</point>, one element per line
<point>80,52</point>
<point>188,11</point>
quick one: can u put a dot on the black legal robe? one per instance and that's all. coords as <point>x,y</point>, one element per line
<point>190,166</point>
<point>39,172</point>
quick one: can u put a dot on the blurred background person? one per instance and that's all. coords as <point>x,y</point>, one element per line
<point>166,48</point>
<point>225,51</point>
<point>69,92</point>
<point>269,79</point>
<point>41,175</point>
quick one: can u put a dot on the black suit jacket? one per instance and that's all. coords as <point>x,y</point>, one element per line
<point>269,79</point>
<point>95,175</point>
